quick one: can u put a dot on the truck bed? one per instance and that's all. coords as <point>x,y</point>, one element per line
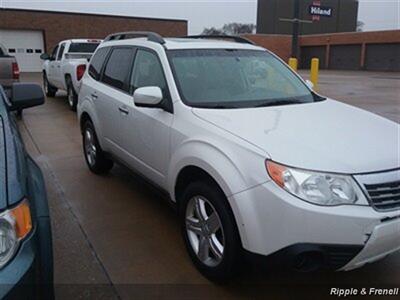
<point>6,71</point>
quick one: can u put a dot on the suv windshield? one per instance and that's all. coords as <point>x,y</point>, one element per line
<point>226,78</point>
<point>83,47</point>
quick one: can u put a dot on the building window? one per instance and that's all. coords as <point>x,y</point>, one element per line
<point>12,50</point>
<point>38,51</point>
<point>29,50</point>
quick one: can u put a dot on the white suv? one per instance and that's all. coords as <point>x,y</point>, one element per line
<point>256,162</point>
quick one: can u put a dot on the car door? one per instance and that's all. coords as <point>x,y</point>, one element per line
<point>51,72</point>
<point>147,130</point>
<point>112,96</point>
<point>58,76</point>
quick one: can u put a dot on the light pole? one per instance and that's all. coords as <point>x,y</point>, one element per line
<point>295,27</point>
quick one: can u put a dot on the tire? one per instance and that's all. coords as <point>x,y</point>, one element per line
<point>72,96</point>
<point>48,88</point>
<point>94,155</point>
<point>219,266</point>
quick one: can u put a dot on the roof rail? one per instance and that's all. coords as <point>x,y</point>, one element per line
<point>151,36</point>
<point>236,38</point>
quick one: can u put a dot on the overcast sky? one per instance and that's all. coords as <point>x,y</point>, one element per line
<point>376,14</point>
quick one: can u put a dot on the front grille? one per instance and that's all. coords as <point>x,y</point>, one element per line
<point>384,196</point>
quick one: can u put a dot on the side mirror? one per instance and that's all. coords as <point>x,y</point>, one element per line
<point>44,56</point>
<point>310,84</point>
<point>149,96</point>
<point>24,95</point>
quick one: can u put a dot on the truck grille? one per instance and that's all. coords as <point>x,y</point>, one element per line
<point>384,196</point>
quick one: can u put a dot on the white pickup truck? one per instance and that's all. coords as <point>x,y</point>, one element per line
<point>64,68</point>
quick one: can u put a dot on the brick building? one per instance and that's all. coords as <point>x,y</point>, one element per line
<point>28,33</point>
<point>372,51</point>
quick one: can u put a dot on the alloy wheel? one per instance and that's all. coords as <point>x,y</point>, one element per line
<point>45,85</point>
<point>204,230</point>
<point>70,96</point>
<point>90,147</point>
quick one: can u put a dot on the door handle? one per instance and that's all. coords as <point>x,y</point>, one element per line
<point>94,96</point>
<point>123,110</point>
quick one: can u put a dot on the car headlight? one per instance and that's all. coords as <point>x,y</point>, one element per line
<point>316,187</point>
<point>15,224</point>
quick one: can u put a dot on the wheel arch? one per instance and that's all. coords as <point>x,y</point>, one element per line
<point>203,160</point>
<point>83,119</point>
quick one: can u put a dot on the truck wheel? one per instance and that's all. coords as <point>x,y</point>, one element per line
<point>209,231</point>
<point>48,88</point>
<point>94,155</point>
<point>72,96</point>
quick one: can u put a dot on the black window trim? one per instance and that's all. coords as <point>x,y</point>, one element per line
<point>168,104</point>
<point>126,81</point>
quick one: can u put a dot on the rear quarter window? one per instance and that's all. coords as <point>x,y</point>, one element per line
<point>97,61</point>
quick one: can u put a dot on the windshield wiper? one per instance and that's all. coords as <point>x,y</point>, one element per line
<point>279,102</point>
<point>217,106</point>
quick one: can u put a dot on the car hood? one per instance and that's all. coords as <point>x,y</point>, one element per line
<point>326,136</point>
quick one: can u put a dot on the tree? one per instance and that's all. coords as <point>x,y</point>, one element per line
<point>360,25</point>
<point>230,29</point>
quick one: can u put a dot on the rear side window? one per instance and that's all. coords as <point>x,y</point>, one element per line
<point>118,68</point>
<point>97,62</point>
<point>1,52</point>
<point>83,47</point>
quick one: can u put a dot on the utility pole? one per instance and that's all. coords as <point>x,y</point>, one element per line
<point>296,27</point>
<point>295,30</point>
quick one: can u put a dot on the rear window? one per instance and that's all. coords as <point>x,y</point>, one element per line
<point>83,47</point>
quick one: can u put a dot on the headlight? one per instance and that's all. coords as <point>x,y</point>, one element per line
<point>15,224</point>
<point>315,187</point>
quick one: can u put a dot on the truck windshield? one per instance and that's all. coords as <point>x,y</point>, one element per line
<point>226,78</point>
<point>82,47</point>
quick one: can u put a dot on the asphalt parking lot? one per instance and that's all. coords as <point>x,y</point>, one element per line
<point>114,237</point>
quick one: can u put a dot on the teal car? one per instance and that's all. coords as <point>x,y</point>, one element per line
<point>26,257</point>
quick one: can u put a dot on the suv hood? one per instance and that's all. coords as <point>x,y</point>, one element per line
<point>324,136</point>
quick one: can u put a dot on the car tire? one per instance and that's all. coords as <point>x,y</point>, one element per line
<point>48,88</point>
<point>218,264</point>
<point>95,158</point>
<point>72,95</point>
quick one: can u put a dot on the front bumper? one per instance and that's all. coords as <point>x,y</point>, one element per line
<point>384,240</point>
<point>271,220</point>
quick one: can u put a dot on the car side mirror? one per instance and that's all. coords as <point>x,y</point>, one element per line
<point>25,95</point>
<point>310,84</point>
<point>149,96</point>
<point>45,56</point>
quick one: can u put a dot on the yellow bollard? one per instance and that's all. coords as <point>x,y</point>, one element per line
<point>314,72</point>
<point>293,63</point>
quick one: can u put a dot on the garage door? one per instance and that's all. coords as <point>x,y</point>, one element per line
<point>26,46</point>
<point>382,57</point>
<point>308,53</point>
<point>345,57</point>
